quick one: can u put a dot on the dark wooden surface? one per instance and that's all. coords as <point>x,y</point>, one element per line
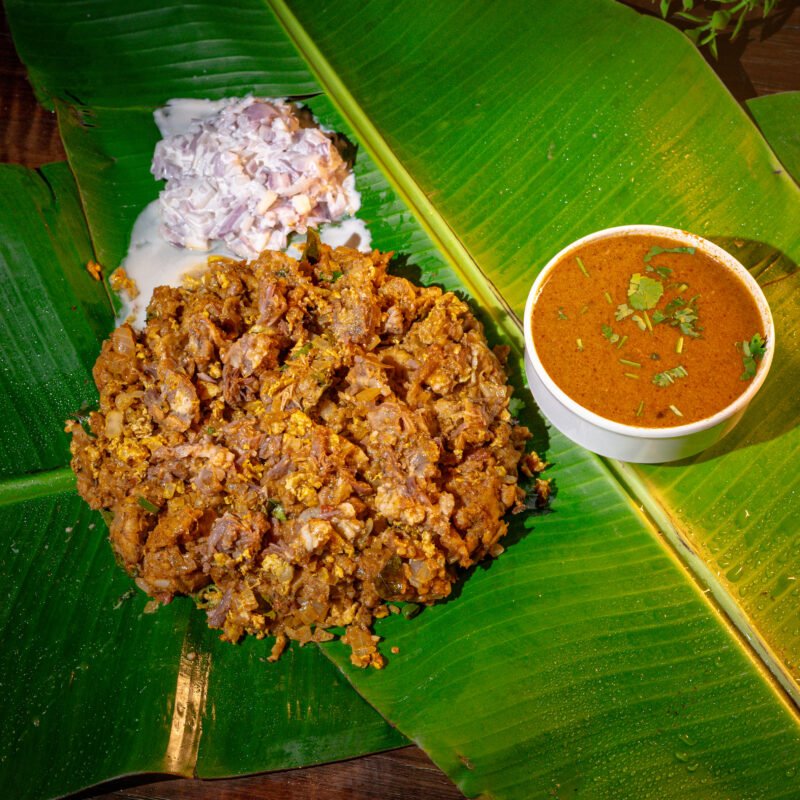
<point>764,61</point>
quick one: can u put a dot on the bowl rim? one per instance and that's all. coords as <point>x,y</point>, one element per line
<point>641,432</point>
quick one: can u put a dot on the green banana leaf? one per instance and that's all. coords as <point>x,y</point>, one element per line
<point>608,652</point>
<point>777,116</point>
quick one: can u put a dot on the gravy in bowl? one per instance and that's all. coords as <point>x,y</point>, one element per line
<point>646,331</point>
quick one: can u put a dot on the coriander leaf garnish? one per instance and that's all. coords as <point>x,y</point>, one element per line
<point>669,376</point>
<point>561,314</point>
<point>644,292</point>
<point>623,311</point>
<point>275,509</point>
<point>752,352</point>
<point>658,317</point>
<point>685,319</point>
<point>654,251</point>
<point>608,332</point>
<point>664,272</point>
<point>683,314</point>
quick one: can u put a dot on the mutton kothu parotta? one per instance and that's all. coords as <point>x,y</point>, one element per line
<point>298,444</point>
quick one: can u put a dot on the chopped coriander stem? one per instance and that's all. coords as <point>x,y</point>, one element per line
<point>608,298</point>
<point>640,409</point>
<point>580,344</point>
<point>584,310</point>
<point>630,363</point>
<point>679,345</point>
<point>675,410</point>
<point>622,342</point>
<point>682,288</point>
<point>583,268</point>
<point>647,321</point>
<point>631,375</point>
<point>152,508</point>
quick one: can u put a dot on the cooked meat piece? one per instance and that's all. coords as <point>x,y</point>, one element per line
<point>296,444</point>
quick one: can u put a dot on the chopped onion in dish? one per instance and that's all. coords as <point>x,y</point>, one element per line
<point>249,175</point>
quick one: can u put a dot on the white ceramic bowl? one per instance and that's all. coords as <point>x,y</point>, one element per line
<point>629,442</point>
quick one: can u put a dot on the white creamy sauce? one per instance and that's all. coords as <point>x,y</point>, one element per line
<point>177,116</point>
<point>153,261</point>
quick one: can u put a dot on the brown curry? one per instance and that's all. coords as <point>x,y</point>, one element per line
<point>646,331</point>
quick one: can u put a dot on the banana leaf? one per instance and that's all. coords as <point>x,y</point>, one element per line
<point>606,653</point>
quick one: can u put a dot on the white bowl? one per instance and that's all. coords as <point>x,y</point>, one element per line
<point>629,442</point>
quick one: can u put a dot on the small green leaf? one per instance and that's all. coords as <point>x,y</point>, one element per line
<point>608,332</point>
<point>275,509</point>
<point>752,352</point>
<point>623,311</point>
<point>644,292</point>
<point>656,250</point>
<point>669,376</point>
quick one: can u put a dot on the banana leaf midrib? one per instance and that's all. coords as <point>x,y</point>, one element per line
<point>37,484</point>
<point>659,523</point>
<point>678,543</point>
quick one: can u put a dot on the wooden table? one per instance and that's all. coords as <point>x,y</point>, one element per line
<point>764,60</point>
